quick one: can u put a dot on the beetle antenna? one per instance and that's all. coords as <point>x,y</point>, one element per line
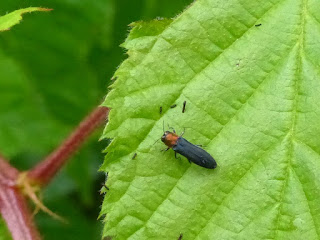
<point>174,131</point>
<point>184,129</point>
<point>156,141</point>
<point>159,138</point>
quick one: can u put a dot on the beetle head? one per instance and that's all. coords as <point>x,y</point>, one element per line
<point>164,136</point>
<point>169,138</point>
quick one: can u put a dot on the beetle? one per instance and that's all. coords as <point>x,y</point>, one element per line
<point>192,152</point>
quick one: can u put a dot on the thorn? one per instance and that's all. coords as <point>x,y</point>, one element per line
<point>30,191</point>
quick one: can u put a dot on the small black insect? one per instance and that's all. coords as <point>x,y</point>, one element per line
<point>180,236</point>
<point>258,25</point>
<point>134,156</point>
<point>104,184</point>
<point>160,110</point>
<point>184,106</point>
<point>173,106</point>
<point>192,152</point>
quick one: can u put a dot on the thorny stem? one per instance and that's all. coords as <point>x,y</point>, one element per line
<point>13,204</point>
<point>45,170</point>
<point>14,210</point>
<point>8,174</point>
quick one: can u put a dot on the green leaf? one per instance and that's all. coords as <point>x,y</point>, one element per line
<point>4,232</point>
<point>252,97</point>
<point>50,81</point>
<point>13,18</point>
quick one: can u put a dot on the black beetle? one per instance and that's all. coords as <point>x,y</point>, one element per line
<point>192,152</point>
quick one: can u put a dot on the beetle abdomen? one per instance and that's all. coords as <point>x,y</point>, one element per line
<point>194,153</point>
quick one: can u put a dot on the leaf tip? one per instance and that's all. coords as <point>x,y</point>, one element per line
<point>45,9</point>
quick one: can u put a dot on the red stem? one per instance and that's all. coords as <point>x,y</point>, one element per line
<point>8,174</point>
<point>13,206</point>
<point>43,172</point>
<point>15,212</point>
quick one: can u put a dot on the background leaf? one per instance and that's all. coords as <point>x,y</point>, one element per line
<point>54,69</point>
<point>252,97</point>
<point>13,18</point>
<point>4,232</point>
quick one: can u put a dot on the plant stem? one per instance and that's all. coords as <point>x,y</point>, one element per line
<point>8,174</point>
<point>43,172</point>
<point>13,205</point>
<point>15,211</point>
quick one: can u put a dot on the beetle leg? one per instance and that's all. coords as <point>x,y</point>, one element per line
<point>104,185</point>
<point>164,150</point>
<point>184,129</point>
<point>172,129</point>
<point>175,155</point>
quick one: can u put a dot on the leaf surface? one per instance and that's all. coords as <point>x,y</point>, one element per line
<point>252,97</point>
<point>13,18</point>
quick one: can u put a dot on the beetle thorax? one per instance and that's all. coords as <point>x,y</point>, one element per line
<point>170,139</point>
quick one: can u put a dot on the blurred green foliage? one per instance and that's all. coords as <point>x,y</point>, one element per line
<point>54,68</point>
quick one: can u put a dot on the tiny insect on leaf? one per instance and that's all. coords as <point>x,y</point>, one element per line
<point>192,152</point>
<point>173,106</point>
<point>184,106</point>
